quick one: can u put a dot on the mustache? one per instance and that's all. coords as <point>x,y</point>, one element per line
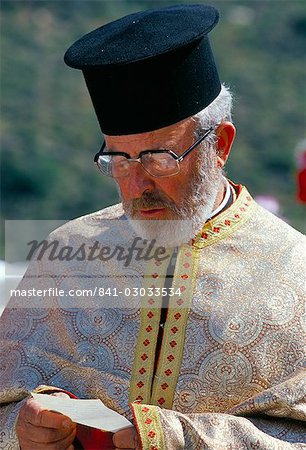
<point>154,199</point>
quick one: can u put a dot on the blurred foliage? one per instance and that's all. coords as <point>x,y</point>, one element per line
<point>49,133</point>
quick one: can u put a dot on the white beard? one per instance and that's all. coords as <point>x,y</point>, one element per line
<point>173,233</point>
<point>189,217</point>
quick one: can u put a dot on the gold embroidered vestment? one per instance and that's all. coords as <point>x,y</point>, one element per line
<point>229,373</point>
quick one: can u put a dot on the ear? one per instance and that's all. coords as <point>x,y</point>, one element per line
<point>226,133</point>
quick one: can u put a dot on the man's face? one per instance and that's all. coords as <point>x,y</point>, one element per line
<point>187,196</point>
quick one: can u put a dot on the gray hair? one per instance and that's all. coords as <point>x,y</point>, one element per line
<point>220,110</point>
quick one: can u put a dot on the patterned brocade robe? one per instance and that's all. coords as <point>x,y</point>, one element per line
<point>229,372</point>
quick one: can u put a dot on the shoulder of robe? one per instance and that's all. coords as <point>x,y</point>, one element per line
<point>270,231</point>
<point>90,225</point>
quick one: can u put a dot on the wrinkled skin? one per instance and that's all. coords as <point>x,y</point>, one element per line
<point>39,429</point>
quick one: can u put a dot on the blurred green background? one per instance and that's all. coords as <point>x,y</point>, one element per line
<point>49,133</point>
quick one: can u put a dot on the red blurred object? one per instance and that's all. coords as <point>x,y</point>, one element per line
<point>93,439</point>
<point>301,175</point>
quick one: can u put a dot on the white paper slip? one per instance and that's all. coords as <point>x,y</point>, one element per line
<point>92,413</point>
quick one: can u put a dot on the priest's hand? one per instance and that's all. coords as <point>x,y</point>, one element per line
<point>39,429</point>
<point>126,439</point>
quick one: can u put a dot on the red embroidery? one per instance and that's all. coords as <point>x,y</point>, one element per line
<point>164,386</point>
<point>188,254</point>
<point>148,421</point>
<point>216,229</point>
<point>173,344</point>
<point>140,384</point>
<point>145,409</point>
<point>155,275</point>
<point>227,222</point>
<point>150,314</point>
<point>204,235</point>
<point>144,357</point>
<point>139,398</point>
<point>142,370</point>
<point>161,400</point>
<point>151,434</point>
<point>146,342</point>
<point>237,216</point>
<point>182,288</point>
<point>174,330</point>
<point>168,372</point>
<point>170,358</point>
<point>186,265</point>
<point>149,328</point>
<point>184,277</point>
<point>177,316</point>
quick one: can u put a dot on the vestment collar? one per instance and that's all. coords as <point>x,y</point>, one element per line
<point>225,223</point>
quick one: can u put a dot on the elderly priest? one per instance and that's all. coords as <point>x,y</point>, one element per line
<point>200,345</point>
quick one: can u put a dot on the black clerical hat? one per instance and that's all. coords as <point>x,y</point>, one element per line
<point>150,69</point>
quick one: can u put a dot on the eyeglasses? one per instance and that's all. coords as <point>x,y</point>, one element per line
<point>157,163</point>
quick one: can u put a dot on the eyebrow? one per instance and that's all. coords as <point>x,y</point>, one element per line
<point>168,146</point>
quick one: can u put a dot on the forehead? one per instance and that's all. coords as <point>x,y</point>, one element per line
<point>181,133</point>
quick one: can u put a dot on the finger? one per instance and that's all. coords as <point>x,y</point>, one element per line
<point>61,444</point>
<point>126,439</point>
<point>32,412</point>
<point>43,434</point>
<point>60,394</point>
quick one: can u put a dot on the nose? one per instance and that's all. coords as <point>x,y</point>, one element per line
<point>139,181</point>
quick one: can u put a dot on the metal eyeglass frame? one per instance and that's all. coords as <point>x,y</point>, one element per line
<point>144,152</point>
